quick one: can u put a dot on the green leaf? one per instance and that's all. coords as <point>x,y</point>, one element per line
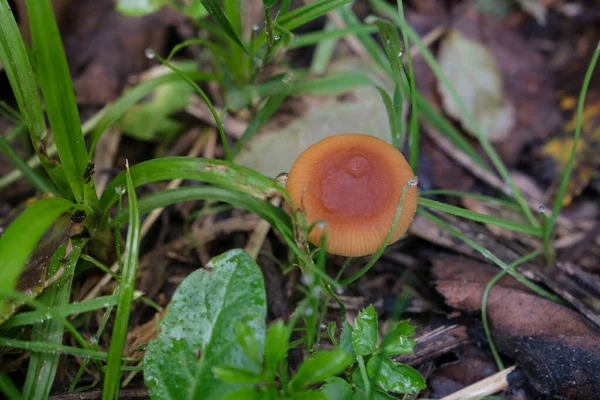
<point>247,341</point>
<point>337,389</point>
<point>309,395</point>
<point>15,60</point>
<point>395,377</point>
<point>244,393</point>
<point>126,289</point>
<point>309,12</point>
<point>152,120</point>
<point>43,366</point>
<point>276,347</point>
<point>475,74</point>
<point>21,236</point>
<point>8,387</point>
<point>198,330</point>
<point>398,340</point>
<point>365,333</point>
<point>331,327</point>
<point>138,8</point>
<point>216,11</point>
<point>320,366</point>
<point>376,394</point>
<point>346,339</point>
<point>38,181</point>
<point>57,87</point>
<point>236,375</point>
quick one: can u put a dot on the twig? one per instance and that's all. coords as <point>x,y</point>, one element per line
<point>490,385</point>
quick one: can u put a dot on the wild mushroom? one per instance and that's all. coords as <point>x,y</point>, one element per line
<point>352,182</point>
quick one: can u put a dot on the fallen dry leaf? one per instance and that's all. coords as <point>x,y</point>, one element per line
<point>555,346</point>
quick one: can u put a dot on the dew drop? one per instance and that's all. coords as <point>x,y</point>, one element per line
<point>400,54</point>
<point>321,225</point>
<point>542,209</point>
<point>256,27</point>
<point>308,279</point>
<point>120,189</point>
<point>339,290</point>
<point>276,37</point>
<point>150,53</point>
<point>308,312</point>
<point>282,177</point>
<point>414,181</point>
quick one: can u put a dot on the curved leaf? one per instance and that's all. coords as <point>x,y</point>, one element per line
<point>320,366</point>
<point>394,377</point>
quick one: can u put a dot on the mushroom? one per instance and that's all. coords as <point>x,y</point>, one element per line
<point>353,183</point>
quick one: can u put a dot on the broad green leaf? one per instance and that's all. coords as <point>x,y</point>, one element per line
<point>216,11</point>
<point>346,339</point>
<point>276,347</point>
<point>57,88</point>
<point>244,393</point>
<point>320,366</point>
<point>138,8</point>
<point>309,395</point>
<point>365,333</point>
<point>475,74</point>
<point>42,366</point>
<point>337,389</point>
<point>198,330</point>
<point>398,340</point>
<point>21,236</point>
<point>126,289</point>
<point>394,377</point>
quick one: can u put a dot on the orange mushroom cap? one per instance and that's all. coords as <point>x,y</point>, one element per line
<point>352,182</point>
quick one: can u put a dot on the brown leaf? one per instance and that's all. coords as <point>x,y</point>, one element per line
<point>558,350</point>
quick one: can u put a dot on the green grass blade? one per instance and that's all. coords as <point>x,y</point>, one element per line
<point>415,132</point>
<point>15,60</point>
<point>57,87</point>
<point>490,256</point>
<point>324,51</point>
<point>217,172</point>
<point>8,387</point>
<point>216,11</point>
<point>206,100</point>
<point>309,12</point>
<point>483,140</point>
<point>31,317</point>
<point>486,219</point>
<point>569,168</point>
<point>126,289</point>
<point>264,113</point>
<point>42,366</point>
<point>54,348</point>
<point>309,39</point>
<point>39,182</point>
<point>21,236</point>
<point>393,119</point>
<point>489,199</point>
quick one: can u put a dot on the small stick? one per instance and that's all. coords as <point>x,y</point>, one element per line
<point>490,385</point>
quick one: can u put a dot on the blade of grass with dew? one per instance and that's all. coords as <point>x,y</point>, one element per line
<point>8,387</point>
<point>558,202</point>
<point>42,366</point>
<point>385,243</point>
<point>486,219</point>
<point>309,12</point>
<point>31,317</point>
<point>14,57</point>
<point>314,38</point>
<point>483,140</point>
<point>415,133</point>
<point>486,292</point>
<point>22,235</point>
<point>57,87</point>
<point>235,61</point>
<point>218,51</point>
<point>488,199</point>
<point>324,50</point>
<point>206,100</point>
<point>126,289</point>
<point>490,256</point>
<point>216,12</point>
<point>38,181</point>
